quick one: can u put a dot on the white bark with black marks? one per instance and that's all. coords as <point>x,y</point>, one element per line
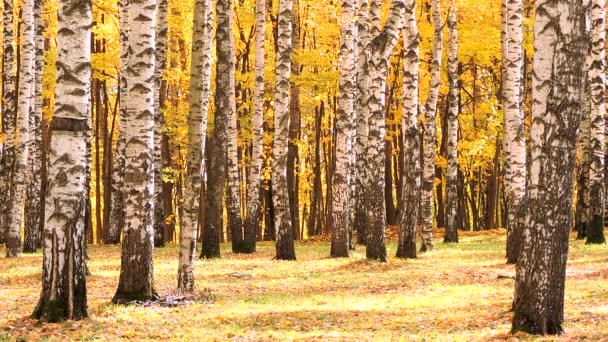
<point>136,273</point>
<point>381,46</point>
<point>515,142</point>
<point>254,201</point>
<point>340,221</point>
<point>200,84</point>
<point>285,245</point>
<point>560,47</point>
<point>34,195</point>
<point>161,57</point>
<point>63,293</point>
<point>22,134</point>
<point>430,111</point>
<point>597,85</point>
<point>451,203</point>
<point>117,213</point>
<point>408,215</point>
<point>9,105</point>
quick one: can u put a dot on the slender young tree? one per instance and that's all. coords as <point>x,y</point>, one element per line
<point>430,110</point>
<point>136,269</point>
<point>9,105</point>
<point>381,46</point>
<point>34,195</point>
<point>161,57</point>
<point>64,293</point>
<point>515,142</point>
<point>581,223</point>
<point>339,235</point>
<point>451,229</point>
<point>557,90</point>
<point>285,243</point>
<point>117,212</point>
<point>200,82</point>
<point>233,195</point>
<point>224,106</point>
<point>22,133</point>
<point>597,85</point>
<point>408,215</point>
<point>254,205</point>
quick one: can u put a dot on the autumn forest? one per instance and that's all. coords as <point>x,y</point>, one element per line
<point>303,170</point>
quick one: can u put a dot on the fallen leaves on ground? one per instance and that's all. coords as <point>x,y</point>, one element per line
<point>459,292</point>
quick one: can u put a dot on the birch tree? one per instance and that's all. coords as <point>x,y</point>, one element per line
<point>64,293</point>
<point>22,133</point>
<point>161,57</point>
<point>136,269</point>
<point>340,231</point>
<point>429,111</point>
<point>451,229</point>
<point>408,215</point>
<point>9,105</point>
<point>285,249</point>
<point>233,196</point>
<point>34,195</point>
<point>254,205</point>
<point>200,83</point>
<point>515,143</point>
<point>597,85</point>
<point>557,85</point>
<point>224,105</point>
<point>117,213</point>
<point>361,132</point>
<point>381,46</point>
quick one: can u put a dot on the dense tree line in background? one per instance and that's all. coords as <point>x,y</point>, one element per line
<point>116,128</point>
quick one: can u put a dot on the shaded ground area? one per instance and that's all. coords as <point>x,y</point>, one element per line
<point>457,292</point>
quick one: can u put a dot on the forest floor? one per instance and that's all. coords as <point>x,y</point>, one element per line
<point>457,292</point>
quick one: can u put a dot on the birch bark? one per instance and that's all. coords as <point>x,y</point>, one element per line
<point>64,293</point>
<point>557,91</point>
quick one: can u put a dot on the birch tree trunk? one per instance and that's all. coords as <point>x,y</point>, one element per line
<point>117,212</point>
<point>451,228</point>
<point>381,47</point>
<point>339,235</point>
<point>63,293</point>
<point>233,196</point>
<point>515,142</point>
<point>597,85</point>
<point>224,103</point>
<point>363,33</point>
<point>136,272</point>
<point>408,215</point>
<point>557,91</point>
<point>34,196</point>
<point>254,205</point>
<point>285,245</point>
<point>161,57</point>
<point>22,133</point>
<point>200,83</point>
<point>9,104</point>
<point>429,110</point>
<point>582,205</point>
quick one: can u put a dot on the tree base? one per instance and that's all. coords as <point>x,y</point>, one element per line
<point>425,248</point>
<point>339,249</point>
<point>407,250</point>
<point>451,236</point>
<point>12,253</point>
<point>55,311</point>
<point>595,233</point>
<point>122,297</point>
<point>536,326</point>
